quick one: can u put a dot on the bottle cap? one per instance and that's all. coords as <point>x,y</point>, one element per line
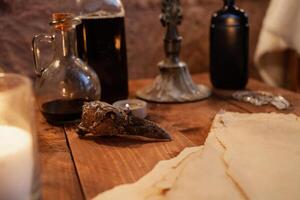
<point>64,21</point>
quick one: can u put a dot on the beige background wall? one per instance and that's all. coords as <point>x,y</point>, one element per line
<point>144,33</point>
<point>20,19</point>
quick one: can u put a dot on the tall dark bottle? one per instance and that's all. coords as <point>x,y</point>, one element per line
<point>229,38</point>
<point>101,43</point>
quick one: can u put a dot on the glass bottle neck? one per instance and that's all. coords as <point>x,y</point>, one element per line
<point>229,3</point>
<point>66,44</point>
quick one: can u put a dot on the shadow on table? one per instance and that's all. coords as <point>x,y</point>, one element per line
<point>116,141</point>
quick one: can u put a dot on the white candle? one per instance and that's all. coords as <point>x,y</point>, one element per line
<point>16,163</point>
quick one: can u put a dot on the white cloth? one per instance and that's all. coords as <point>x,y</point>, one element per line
<point>280,31</point>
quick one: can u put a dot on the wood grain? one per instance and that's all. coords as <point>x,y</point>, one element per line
<point>255,85</point>
<point>58,175</point>
<point>102,163</point>
<point>106,162</point>
<point>191,119</point>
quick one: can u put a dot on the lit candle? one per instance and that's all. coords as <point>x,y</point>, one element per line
<point>136,106</point>
<point>16,163</point>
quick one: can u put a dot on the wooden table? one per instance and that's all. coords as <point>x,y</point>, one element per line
<point>74,168</point>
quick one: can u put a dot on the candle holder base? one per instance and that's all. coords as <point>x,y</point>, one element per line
<point>174,85</point>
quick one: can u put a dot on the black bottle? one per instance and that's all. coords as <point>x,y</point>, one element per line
<point>101,43</point>
<point>229,38</point>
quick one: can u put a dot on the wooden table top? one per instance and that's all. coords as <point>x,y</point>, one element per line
<point>73,168</point>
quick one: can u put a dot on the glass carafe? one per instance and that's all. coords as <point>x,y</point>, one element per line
<point>67,82</point>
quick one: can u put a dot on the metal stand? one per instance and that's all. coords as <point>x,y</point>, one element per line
<point>174,83</point>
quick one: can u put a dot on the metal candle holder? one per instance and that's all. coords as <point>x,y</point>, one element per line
<point>174,83</point>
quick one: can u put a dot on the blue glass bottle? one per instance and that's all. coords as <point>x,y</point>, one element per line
<point>229,38</point>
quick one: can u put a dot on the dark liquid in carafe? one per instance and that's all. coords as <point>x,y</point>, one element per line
<point>62,111</point>
<point>101,43</point>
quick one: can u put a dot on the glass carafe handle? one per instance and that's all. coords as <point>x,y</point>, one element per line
<point>36,51</point>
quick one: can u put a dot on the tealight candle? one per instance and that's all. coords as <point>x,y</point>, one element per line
<point>16,163</point>
<point>136,106</point>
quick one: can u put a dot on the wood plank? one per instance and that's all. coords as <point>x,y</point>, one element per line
<point>292,97</point>
<point>195,122</point>
<point>106,162</point>
<point>58,175</point>
<point>191,119</point>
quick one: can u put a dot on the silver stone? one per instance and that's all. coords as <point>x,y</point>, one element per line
<point>260,98</point>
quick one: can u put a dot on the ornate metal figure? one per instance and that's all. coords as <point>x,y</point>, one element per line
<point>174,83</point>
